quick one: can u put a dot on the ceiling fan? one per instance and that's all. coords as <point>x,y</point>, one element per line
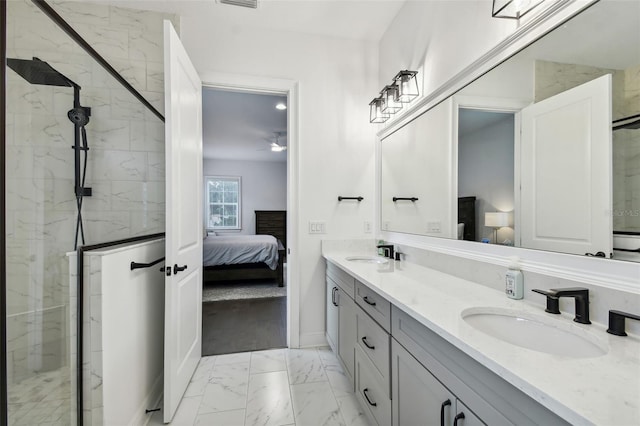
<point>275,144</point>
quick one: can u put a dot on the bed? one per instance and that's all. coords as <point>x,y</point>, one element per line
<point>248,257</point>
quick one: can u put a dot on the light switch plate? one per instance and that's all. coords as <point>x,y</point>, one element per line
<point>434,227</point>
<point>317,227</point>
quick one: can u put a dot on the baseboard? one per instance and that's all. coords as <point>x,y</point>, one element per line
<point>309,340</point>
<point>153,400</point>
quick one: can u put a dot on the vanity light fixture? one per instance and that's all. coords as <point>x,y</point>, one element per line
<point>513,9</point>
<point>403,89</point>
<point>389,95</point>
<point>407,85</point>
<point>375,111</point>
<point>496,220</point>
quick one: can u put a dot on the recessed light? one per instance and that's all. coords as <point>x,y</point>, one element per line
<point>281,106</point>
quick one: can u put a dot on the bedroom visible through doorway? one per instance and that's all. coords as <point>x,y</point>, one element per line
<point>245,226</point>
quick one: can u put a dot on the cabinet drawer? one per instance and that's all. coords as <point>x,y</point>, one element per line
<point>374,304</point>
<point>345,281</point>
<point>370,392</point>
<point>374,342</point>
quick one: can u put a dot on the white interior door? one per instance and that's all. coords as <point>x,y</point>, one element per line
<point>183,283</point>
<point>566,171</point>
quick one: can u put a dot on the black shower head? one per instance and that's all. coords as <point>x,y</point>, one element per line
<point>36,71</point>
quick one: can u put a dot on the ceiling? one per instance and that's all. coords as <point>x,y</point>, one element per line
<point>365,20</point>
<point>242,126</point>
<point>474,120</point>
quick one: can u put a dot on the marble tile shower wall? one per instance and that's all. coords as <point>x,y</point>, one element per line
<point>552,78</point>
<point>125,166</point>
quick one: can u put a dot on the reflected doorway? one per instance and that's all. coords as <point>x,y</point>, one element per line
<point>486,196</point>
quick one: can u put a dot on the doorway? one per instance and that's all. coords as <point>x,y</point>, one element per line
<point>486,161</point>
<point>245,156</point>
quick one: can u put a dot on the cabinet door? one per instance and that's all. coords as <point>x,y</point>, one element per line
<point>464,416</point>
<point>347,332</point>
<point>418,397</point>
<point>332,314</point>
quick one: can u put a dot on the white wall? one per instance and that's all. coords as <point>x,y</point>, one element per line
<point>336,78</point>
<point>264,186</point>
<point>439,38</point>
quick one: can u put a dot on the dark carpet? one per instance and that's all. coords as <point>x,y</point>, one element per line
<point>230,326</point>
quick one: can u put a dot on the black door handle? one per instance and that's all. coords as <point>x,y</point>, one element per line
<point>598,254</point>
<point>364,340</point>
<point>373,404</point>
<point>367,301</point>
<point>458,417</point>
<point>177,268</point>
<point>444,404</point>
<point>333,296</point>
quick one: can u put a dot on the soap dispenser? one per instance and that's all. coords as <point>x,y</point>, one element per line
<point>514,281</point>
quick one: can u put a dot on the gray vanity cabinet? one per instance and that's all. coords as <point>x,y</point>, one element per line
<point>341,317</point>
<point>332,314</point>
<point>419,398</point>
<point>347,332</point>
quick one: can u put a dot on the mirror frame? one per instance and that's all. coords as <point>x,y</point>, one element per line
<point>611,273</point>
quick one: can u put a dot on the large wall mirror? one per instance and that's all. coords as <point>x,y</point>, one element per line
<point>541,152</point>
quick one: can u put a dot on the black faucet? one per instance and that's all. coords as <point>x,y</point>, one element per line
<point>388,250</point>
<point>580,294</point>
<point>616,322</point>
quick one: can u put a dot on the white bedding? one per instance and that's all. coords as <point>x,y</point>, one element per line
<point>239,249</point>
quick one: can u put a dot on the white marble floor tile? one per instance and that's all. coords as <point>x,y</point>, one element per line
<point>267,361</point>
<point>269,400</point>
<point>227,388</point>
<point>185,415</point>
<point>315,405</point>
<point>233,358</point>
<point>327,356</point>
<point>338,380</point>
<point>223,418</point>
<point>304,366</point>
<point>200,377</point>
<point>351,411</point>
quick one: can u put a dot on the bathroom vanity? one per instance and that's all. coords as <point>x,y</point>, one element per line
<point>424,347</point>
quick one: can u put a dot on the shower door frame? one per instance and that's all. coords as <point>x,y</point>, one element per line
<point>3,236</point>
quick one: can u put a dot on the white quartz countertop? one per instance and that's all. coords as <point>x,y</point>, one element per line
<point>603,390</point>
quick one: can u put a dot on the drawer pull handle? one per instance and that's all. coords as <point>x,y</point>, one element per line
<point>368,302</point>
<point>373,404</point>
<point>364,340</point>
<point>444,404</point>
<point>458,417</point>
<point>333,296</point>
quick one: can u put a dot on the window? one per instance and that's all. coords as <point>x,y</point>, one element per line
<point>222,202</point>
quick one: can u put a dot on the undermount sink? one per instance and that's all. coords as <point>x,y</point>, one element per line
<point>367,259</point>
<point>535,332</point>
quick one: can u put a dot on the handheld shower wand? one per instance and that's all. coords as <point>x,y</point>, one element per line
<point>36,71</point>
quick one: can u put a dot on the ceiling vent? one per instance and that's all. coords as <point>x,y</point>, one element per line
<point>244,3</point>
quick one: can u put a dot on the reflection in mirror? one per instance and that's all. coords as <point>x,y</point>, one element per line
<point>413,160</point>
<point>569,184</point>
<point>485,172</point>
